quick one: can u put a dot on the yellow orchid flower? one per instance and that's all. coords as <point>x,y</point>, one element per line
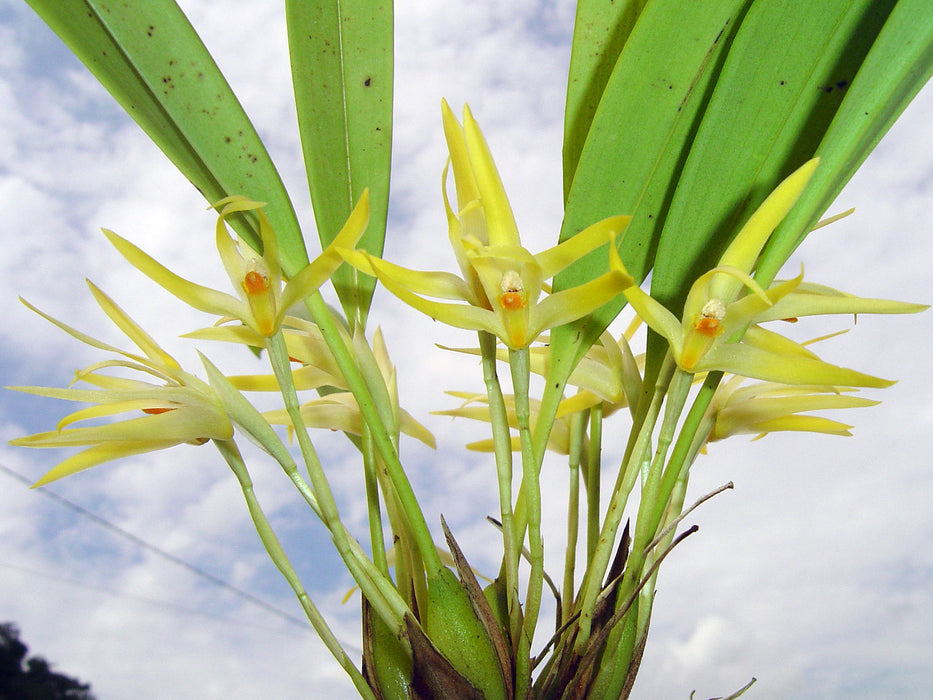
<point>262,302</point>
<point>340,412</point>
<point>306,345</point>
<point>768,407</point>
<point>183,409</point>
<point>608,373</point>
<point>503,284</point>
<point>476,407</point>
<point>716,311</point>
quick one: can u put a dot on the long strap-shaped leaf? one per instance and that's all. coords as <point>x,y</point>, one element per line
<point>785,77</point>
<point>790,74</point>
<point>636,146</point>
<point>799,78</point>
<point>600,30</point>
<point>152,61</point>
<point>899,64</point>
<point>341,54</point>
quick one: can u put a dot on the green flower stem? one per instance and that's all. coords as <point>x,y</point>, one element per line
<point>365,362</point>
<point>409,567</point>
<point>383,443</point>
<point>374,511</point>
<point>592,478</point>
<point>577,434</point>
<point>502,445</point>
<point>249,419</point>
<point>362,569</point>
<point>664,539</point>
<point>547,412</point>
<point>278,357</point>
<point>685,448</point>
<point>636,455</point>
<point>666,506</point>
<point>657,549</point>
<point>383,596</point>
<point>653,500</point>
<point>519,363</point>
<point>668,501</point>
<point>234,459</point>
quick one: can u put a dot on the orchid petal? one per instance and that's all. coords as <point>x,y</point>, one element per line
<point>243,335</point>
<point>99,454</point>
<point>559,436</point>
<point>775,342</point>
<point>457,315</point>
<point>180,425</point>
<point>758,363</point>
<point>111,408</point>
<point>231,256</point>
<point>570,304</point>
<point>751,308</point>
<point>809,304</point>
<point>440,285</point>
<point>71,394</point>
<point>809,424</point>
<point>200,297</point>
<point>500,222</point>
<point>131,329</point>
<point>602,371</point>
<point>472,220</point>
<point>580,401</point>
<point>763,408</point>
<point>555,259</point>
<point>78,335</point>
<point>744,250</point>
<point>326,413</point>
<point>305,378</point>
<point>411,427</point>
<point>313,275</point>
<point>658,318</point>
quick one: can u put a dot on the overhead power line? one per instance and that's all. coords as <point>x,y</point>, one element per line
<point>143,544</point>
<point>167,605</point>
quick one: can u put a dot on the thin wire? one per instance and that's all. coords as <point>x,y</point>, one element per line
<point>139,542</point>
<point>181,609</point>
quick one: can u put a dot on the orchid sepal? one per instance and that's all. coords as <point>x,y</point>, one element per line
<point>762,408</point>
<point>720,328</point>
<point>257,278</point>
<point>181,410</point>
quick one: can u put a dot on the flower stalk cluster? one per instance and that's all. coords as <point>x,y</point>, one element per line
<point>430,630</point>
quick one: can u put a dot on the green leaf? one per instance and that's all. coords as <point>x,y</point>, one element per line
<point>636,146</point>
<point>899,63</point>
<point>341,54</point>
<point>600,30</point>
<point>457,632</point>
<point>148,56</point>
<point>783,80</point>
<point>792,83</point>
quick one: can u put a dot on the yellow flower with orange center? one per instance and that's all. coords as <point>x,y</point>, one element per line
<point>262,301</point>
<point>502,287</point>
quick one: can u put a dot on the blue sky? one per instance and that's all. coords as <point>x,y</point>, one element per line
<point>814,575</point>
